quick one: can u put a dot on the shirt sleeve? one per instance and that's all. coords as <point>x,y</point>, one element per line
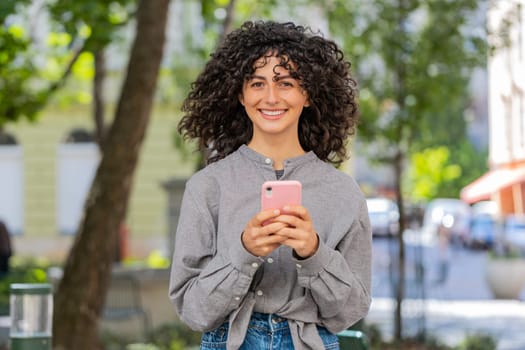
<point>206,286</point>
<point>339,279</point>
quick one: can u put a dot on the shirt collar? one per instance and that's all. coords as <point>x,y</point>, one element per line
<point>261,159</point>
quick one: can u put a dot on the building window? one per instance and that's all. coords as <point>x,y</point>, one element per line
<point>77,160</point>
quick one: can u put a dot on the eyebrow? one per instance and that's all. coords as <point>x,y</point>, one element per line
<point>279,77</point>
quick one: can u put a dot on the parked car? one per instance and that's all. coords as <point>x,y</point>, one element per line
<point>486,208</point>
<point>483,231</point>
<point>384,216</point>
<point>514,233</point>
<point>452,213</point>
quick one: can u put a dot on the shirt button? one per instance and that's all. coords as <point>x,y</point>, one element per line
<point>268,161</point>
<point>270,260</point>
<point>260,292</point>
<point>298,266</point>
<point>237,298</point>
<point>255,265</point>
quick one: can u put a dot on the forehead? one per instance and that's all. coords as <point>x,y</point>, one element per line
<point>278,64</point>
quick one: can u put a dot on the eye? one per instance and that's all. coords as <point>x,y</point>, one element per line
<point>256,84</point>
<point>286,83</point>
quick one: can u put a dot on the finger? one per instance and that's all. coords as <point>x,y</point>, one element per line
<point>264,217</point>
<point>272,228</point>
<point>297,210</point>
<point>306,234</point>
<point>258,233</point>
<point>265,245</point>
<point>303,247</point>
<point>271,240</point>
<point>289,220</point>
<point>292,233</point>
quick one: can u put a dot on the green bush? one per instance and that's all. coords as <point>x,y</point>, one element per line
<point>171,336</point>
<point>141,347</point>
<point>25,271</point>
<point>175,336</point>
<point>477,342</point>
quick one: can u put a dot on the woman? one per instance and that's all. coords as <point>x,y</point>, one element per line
<point>275,101</point>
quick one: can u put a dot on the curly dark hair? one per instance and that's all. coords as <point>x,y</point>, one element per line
<point>214,116</point>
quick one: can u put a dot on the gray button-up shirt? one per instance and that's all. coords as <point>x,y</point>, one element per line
<point>212,272</point>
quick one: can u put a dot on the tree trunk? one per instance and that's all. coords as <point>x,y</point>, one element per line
<point>227,23</point>
<point>81,293</point>
<point>400,74</point>
<point>98,97</point>
<point>400,286</point>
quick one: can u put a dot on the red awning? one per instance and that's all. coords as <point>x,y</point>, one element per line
<point>491,182</point>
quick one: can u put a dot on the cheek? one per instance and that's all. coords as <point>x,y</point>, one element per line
<point>306,103</point>
<point>301,101</point>
<point>249,101</point>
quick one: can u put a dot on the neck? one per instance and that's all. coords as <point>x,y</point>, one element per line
<point>277,152</point>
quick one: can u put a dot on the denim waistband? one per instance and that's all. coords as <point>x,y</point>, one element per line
<point>271,322</point>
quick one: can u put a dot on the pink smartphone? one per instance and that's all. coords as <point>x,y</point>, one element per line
<point>277,194</point>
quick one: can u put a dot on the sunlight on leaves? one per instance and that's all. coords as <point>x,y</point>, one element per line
<point>85,31</point>
<point>429,170</point>
<point>39,275</point>
<point>16,31</point>
<point>84,67</point>
<point>58,39</point>
<point>52,69</point>
<point>157,261</point>
<point>118,14</point>
<point>84,97</point>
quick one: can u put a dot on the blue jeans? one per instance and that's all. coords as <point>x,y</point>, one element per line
<point>265,332</point>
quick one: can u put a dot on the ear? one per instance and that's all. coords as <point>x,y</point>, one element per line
<point>241,99</point>
<point>307,100</point>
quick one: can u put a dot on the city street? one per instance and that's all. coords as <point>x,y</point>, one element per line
<point>460,305</point>
<point>465,280</point>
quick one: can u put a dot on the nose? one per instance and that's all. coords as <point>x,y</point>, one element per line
<point>272,95</point>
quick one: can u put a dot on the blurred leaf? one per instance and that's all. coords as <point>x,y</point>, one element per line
<point>58,39</point>
<point>16,31</point>
<point>157,260</point>
<point>83,68</point>
<point>431,173</point>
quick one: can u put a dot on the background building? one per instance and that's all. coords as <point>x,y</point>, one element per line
<point>505,182</point>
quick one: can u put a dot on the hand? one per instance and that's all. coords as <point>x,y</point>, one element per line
<point>298,231</point>
<point>259,236</point>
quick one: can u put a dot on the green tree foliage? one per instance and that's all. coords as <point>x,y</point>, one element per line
<point>438,172</point>
<point>31,71</point>
<point>473,163</point>
<point>413,60</point>
<point>414,71</point>
<point>18,74</point>
<point>431,169</point>
<point>91,24</point>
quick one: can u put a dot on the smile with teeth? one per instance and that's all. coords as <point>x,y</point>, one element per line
<point>273,113</point>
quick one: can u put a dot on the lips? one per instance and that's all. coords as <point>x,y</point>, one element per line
<point>272,113</point>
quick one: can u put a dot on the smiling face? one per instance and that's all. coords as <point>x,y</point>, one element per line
<point>273,101</point>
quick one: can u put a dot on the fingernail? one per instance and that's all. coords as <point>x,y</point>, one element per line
<point>276,211</point>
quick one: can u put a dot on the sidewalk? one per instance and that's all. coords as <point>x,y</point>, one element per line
<point>451,321</point>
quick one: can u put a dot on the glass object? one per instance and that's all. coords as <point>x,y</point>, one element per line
<point>31,316</point>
